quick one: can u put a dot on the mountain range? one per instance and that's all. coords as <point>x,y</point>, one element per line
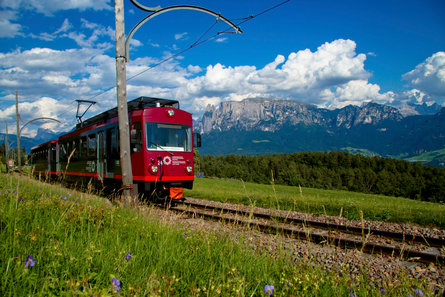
<point>270,126</point>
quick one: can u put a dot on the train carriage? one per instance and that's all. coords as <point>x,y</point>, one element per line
<point>161,140</point>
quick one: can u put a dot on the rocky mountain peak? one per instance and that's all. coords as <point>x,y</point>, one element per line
<point>271,114</point>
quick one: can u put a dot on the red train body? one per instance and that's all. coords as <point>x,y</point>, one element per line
<point>161,139</point>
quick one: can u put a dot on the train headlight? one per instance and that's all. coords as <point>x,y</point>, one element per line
<point>154,169</point>
<point>189,169</point>
<point>171,113</point>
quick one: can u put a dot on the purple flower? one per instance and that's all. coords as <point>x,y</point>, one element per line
<point>185,234</point>
<point>382,290</point>
<point>116,284</point>
<point>128,256</point>
<point>29,261</point>
<point>268,289</point>
<point>339,273</point>
<point>418,292</point>
<point>352,295</point>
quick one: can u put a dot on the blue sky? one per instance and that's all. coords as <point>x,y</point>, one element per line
<point>327,53</point>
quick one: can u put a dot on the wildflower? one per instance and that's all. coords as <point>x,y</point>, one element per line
<point>339,273</point>
<point>268,289</point>
<point>382,290</point>
<point>352,295</point>
<point>29,261</point>
<point>128,256</point>
<point>116,284</point>
<point>61,244</point>
<point>185,234</point>
<point>418,292</point>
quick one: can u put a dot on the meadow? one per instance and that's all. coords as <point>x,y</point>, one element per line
<point>322,202</point>
<point>56,241</point>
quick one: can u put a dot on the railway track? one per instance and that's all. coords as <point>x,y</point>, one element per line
<point>406,246</point>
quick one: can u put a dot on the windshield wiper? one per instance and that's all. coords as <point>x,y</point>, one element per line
<point>157,145</point>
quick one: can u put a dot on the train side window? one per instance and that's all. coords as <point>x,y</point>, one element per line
<point>136,137</point>
<point>73,150</point>
<point>83,146</point>
<point>113,143</point>
<point>63,156</point>
<point>92,146</point>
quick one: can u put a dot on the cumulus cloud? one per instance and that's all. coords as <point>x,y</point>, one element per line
<point>43,72</point>
<point>332,76</point>
<point>42,107</point>
<point>429,76</point>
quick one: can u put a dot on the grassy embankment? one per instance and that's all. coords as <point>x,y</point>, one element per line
<point>317,201</point>
<point>59,242</point>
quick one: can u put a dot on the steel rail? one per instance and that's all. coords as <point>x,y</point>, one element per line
<point>430,241</point>
<point>318,237</point>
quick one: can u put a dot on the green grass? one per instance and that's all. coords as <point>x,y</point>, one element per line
<point>80,242</point>
<point>317,201</point>
<point>427,157</point>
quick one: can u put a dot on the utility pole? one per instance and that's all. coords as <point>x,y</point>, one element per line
<point>7,149</point>
<point>17,117</point>
<point>122,109</point>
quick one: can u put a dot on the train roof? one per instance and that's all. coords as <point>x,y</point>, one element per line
<point>136,104</point>
<point>52,141</point>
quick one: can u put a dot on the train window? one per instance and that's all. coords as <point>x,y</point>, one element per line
<point>74,150</point>
<point>63,152</point>
<point>136,137</point>
<point>169,137</point>
<point>83,146</point>
<point>92,145</point>
<point>113,143</point>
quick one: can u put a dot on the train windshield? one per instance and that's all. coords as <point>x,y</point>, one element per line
<point>169,137</point>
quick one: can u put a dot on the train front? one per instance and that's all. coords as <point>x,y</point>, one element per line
<point>162,151</point>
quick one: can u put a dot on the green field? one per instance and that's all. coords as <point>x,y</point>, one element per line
<point>318,201</point>
<point>59,242</point>
<point>438,157</point>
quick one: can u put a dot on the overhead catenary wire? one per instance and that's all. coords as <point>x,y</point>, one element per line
<point>198,42</point>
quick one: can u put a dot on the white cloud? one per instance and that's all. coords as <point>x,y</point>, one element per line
<point>7,27</point>
<point>48,7</point>
<point>429,76</point>
<point>333,75</point>
<point>42,107</point>
<point>65,27</point>
<point>221,39</point>
<point>181,36</point>
<point>357,92</point>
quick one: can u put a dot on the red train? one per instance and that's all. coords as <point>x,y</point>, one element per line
<point>161,140</point>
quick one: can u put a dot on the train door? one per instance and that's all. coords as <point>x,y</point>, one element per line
<point>112,152</point>
<point>100,155</point>
<point>137,154</point>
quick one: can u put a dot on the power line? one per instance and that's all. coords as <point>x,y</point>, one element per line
<point>195,44</point>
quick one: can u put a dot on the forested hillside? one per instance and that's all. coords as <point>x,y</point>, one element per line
<point>333,170</point>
